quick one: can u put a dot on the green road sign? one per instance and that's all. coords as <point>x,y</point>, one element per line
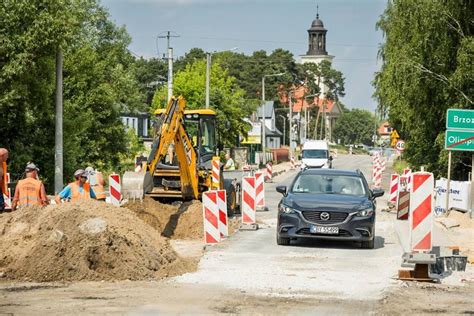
<point>460,119</point>
<point>459,140</point>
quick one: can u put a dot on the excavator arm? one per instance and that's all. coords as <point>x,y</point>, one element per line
<point>135,185</point>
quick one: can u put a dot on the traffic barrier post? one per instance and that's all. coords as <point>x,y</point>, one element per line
<point>421,212</point>
<point>115,189</point>
<point>216,162</point>
<point>403,205</point>
<point>248,201</point>
<point>269,172</point>
<point>260,191</point>
<point>223,220</point>
<point>394,183</point>
<point>293,163</point>
<point>210,211</point>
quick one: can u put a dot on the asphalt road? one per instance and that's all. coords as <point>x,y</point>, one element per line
<point>246,274</point>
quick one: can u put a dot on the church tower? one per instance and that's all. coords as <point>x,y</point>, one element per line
<point>316,43</point>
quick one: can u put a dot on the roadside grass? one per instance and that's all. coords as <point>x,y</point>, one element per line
<point>399,165</point>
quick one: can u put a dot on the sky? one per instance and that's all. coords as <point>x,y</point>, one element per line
<point>252,25</point>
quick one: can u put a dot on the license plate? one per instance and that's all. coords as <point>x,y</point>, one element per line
<point>329,230</point>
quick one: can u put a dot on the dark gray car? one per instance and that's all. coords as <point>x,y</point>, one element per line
<point>327,204</point>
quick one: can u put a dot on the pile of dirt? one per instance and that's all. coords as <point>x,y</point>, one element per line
<point>183,221</point>
<point>87,241</point>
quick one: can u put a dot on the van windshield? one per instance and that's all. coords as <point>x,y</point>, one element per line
<point>315,154</point>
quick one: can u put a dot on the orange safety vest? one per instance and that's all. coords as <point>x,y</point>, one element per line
<point>3,180</point>
<point>77,195</point>
<point>30,192</point>
<point>99,192</point>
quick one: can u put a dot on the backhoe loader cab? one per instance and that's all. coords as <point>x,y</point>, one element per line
<point>201,129</point>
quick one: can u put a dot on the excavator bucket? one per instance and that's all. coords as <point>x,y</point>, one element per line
<point>136,184</point>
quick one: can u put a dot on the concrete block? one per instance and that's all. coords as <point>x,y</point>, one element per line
<point>248,227</point>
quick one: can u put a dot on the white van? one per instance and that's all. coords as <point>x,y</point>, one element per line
<point>315,154</point>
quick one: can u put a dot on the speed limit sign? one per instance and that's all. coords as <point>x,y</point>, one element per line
<point>400,146</point>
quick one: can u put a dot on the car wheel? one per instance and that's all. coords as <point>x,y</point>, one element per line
<point>281,241</point>
<point>368,244</point>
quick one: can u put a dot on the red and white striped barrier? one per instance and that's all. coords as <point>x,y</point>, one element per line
<point>403,208</point>
<point>222,205</point>
<point>269,172</point>
<point>246,167</point>
<point>293,163</point>
<point>115,189</point>
<point>378,177</point>
<point>7,196</point>
<point>210,212</point>
<point>259,190</point>
<point>407,173</point>
<point>383,163</point>
<point>394,183</point>
<point>216,162</point>
<point>421,211</point>
<point>248,200</point>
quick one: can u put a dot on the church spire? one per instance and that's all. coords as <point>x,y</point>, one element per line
<point>317,37</point>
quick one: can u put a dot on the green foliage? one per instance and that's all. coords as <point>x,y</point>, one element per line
<point>427,68</point>
<point>99,83</point>
<point>226,98</point>
<point>400,165</point>
<point>355,127</point>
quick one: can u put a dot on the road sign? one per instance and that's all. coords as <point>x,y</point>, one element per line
<point>400,145</point>
<point>459,140</point>
<point>460,119</point>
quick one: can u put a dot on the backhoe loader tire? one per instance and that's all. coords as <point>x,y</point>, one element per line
<point>231,200</point>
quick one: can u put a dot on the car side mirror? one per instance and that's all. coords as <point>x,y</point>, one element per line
<point>377,193</point>
<point>281,189</point>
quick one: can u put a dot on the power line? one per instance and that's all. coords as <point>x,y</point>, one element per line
<point>270,41</point>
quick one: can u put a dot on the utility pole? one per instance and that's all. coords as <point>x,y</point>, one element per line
<point>168,36</point>
<point>58,151</point>
<point>290,122</point>
<point>208,79</point>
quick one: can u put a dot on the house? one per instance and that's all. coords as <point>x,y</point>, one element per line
<point>385,130</point>
<point>272,134</point>
<point>140,122</point>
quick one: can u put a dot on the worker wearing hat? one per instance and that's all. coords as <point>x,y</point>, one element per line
<point>30,191</point>
<point>78,190</point>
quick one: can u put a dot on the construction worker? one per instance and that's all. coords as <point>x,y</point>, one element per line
<point>77,190</point>
<point>96,180</point>
<point>30,191</point>
<point>229,165</point>
<point>3,172</point>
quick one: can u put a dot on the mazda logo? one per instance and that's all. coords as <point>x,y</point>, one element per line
<point>324,216</point>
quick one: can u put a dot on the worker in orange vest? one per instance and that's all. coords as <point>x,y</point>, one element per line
<point>78,190</point>
<point>96,180</point>
<point>30,191</point>
<point>3,172</point>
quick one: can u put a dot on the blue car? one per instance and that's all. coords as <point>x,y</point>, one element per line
<point>327,204</point>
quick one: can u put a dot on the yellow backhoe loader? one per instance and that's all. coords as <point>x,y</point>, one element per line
<point>191,134</point>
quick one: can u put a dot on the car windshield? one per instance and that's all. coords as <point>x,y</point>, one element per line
<point>315,153</point>
<point>329,184</point>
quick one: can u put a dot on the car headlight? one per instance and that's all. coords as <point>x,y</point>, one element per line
<point>365,213</point>
<point>287,210</point>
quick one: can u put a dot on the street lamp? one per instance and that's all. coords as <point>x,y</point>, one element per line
<point>208,71</point>
<point>284,127</point>
<point>263,113</point>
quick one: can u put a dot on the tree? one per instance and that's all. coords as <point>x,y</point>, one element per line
<point>98,83</point>
<point>355,127</point>
<point>226,98</point>
<point>427,68</point>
